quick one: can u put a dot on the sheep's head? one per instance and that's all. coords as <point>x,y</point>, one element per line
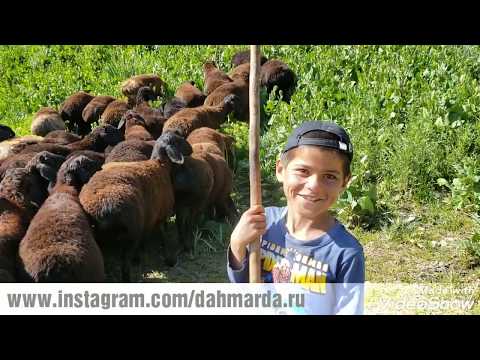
<point>145,93</point>
<point>47,164</point>
<point>230,101</point>
<point>6,133</point>
<point>131,118</point>
<point>173,106</point>
<point>172,146</point>
<point>77,171</point>
<point>107,134</point>
<point>209,66</point>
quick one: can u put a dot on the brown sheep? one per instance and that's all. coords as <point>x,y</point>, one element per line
<point>202,185</point>
<point>7,146</point>
<point>59,246</point>
<point>173,106</point>
<point>276,73</point>
<point>190,94</point>
<point>131,86</point>
<point>242,57</point>
<point>71,112</point>
<point>135,126</point>
<point>95,108</point>
<point>154,118</point>
<point>113,113</point>
<point>239,88</point>
<point>45,121</point>
<point>6,133</point>
<point>189,119</point>
<point>128,201</point>
<point>98,139</point>
<point>213,77</point>
<point>241,72</point>
<point>206,138</point>
<point>61,137</point>
<point>21,159</point>
<point>130,150</point>
<point>22,192</point>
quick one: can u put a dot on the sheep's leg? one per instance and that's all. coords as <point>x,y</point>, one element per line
<point>125,266</point>
<point>171,247</point>
<point>226,209</point>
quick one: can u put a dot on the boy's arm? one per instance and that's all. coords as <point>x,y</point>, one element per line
<point>349,288</point>
<point>237,272</point>
<point>251,226</point>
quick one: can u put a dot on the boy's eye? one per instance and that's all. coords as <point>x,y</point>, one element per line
<point>300,171</point>
<point>330,177</point>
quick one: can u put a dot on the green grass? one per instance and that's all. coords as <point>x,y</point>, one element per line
<point>412,112</point>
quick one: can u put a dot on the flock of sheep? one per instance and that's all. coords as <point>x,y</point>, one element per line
<point>69,193</point>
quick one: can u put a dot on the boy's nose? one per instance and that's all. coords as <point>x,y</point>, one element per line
<point>313,183</point>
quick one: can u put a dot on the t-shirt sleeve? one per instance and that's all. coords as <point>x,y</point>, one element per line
<point>237,275</point>
<point>349,288</point>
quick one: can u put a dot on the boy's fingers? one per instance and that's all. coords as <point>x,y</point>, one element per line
<point>257,218</point>
<point>256,209</point>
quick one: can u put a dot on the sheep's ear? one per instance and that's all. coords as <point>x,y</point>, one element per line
<point>174,155</point>
<point>47,172</point>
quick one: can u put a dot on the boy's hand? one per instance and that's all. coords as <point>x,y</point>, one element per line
<point>251,226</point>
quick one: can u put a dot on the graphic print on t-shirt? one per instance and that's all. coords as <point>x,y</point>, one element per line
<point>288,265</point>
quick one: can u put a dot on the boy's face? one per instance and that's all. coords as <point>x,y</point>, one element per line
<point>312,180</point>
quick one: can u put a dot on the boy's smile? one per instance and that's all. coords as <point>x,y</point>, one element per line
<point>312,180</point>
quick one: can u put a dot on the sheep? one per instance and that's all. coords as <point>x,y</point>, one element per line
<point>154,118</point>
<point>240,72</point>
<point>190,94</point>
<point>61,137</point>
<point>240,88</point>
<point>189,119</point>
<point>92,158</point>
<point>209,139</point>
<point>127,201</point>
<point>95,108</point>
<point>242,57</point>
<point>203,184</point>
<point>276,73</point>
<point>131,86</point>
<point>45,121</point>
<point>213,77</point>
<point>173,106</point>
<point>98,139</point>
<point>7,146</point>
<point>22,192</point>
<point>6,133</point>
<point>23,155</point>
<point>71,112</point>
<point>135,126</point>
<point>113,113</point>
<point>130,150</point>
<point>59,246</point>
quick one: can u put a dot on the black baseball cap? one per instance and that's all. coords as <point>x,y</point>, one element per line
<point>343,143</point>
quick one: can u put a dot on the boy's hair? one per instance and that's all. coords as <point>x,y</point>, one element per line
<point>320,134</point>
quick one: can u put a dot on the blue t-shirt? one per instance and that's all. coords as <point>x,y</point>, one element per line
<point>331,266</point>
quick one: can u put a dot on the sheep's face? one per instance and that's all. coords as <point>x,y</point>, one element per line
<point>78,170</point>
<point>110,135</point>
<point>23,187</point>
<point>145,93</point>
<point>131,118</point>
<point>172,146</point>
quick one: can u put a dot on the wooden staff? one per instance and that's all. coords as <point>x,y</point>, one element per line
<point>254,162</point>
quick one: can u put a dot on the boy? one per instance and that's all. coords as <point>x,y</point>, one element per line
<point>302,242</point>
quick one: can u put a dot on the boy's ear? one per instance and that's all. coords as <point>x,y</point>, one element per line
<point>279,169</point>
<point>346,181</point>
